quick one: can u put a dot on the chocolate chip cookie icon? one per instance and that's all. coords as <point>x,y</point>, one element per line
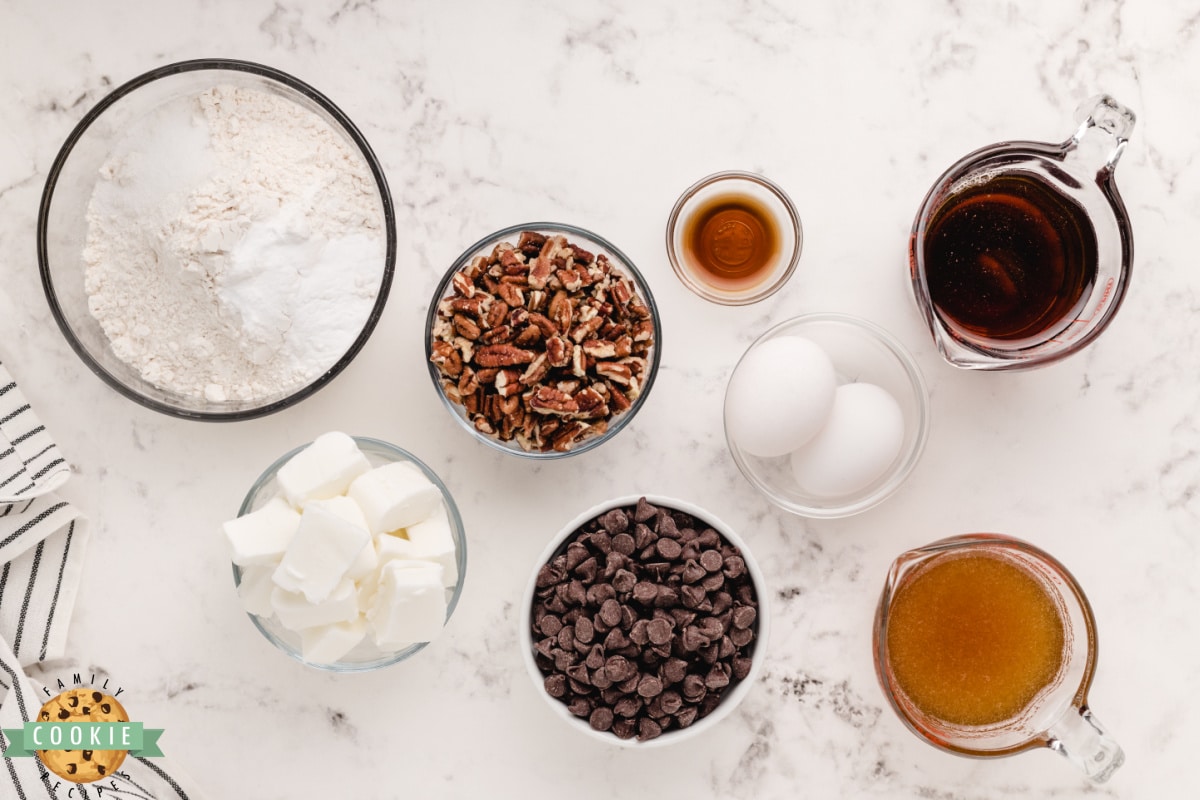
<point>82,705</point>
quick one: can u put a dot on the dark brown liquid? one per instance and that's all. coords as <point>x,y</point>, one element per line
<point>1009,259</point>
<point>732,242</point>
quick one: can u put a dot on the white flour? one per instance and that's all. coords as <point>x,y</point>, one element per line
<point>235,246</point>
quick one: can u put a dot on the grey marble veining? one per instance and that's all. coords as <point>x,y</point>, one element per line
<point>599,114</point>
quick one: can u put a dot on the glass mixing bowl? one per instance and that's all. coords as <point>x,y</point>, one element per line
<point>62,224</point>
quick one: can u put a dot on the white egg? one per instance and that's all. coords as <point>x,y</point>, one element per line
<point>858,444</point>
<point>779,396</point>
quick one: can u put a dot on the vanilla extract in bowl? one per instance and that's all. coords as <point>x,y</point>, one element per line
<point>732,241</point>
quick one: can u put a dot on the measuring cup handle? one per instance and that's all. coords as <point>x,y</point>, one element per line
<point>1080,737</point>
<point>1103,132</point>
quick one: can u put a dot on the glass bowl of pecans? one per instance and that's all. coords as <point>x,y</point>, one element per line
<point>543,340</point>
<point>645,621</point>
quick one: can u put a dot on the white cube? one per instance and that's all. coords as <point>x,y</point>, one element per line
<point>328,643</point>
<point>262,536</point>
<point>296,613</point>
<point>390,546</point>
<point>432,540</point>
<point>410,605</point>
<point>348,510</point>
<point>395,496</point>
<point>319,555</point>
<point>255,590</point>
<point>322,470</point>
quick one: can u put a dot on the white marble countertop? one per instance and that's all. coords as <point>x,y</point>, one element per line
<point>489,114</point>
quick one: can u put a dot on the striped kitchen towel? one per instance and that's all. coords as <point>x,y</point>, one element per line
<point>42,544</point>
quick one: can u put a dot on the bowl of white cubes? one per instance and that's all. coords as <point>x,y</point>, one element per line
<point>348,554</point>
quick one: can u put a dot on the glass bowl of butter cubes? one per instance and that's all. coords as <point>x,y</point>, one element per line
<point>348,554</point>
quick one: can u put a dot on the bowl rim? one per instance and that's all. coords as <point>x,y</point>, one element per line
<point>460,556</point>
<point>729,702</point>
<point>896,480</point>
<point>619,422</point>
<point>262,71</point>
<point>714,295</point>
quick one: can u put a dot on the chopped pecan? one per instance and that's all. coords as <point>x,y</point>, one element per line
<point>466,327</point>
<point>578,362</point>
<point>643,331</point>
<point>446,359</point>
<point>617,399</point>
<point>545,325</point>
<point>475,307</point>
<point>567,435</point>
<point>584,330</point>
<point>482,425</point>
<point>537,300</point>
<point>621,292</point>
<point>546,400</point>
<point>511,294</point>
<point>571,280</point>
<point>513,262</point>
<point>580,255</point>
<point>507,382</point>
<point>487,376</point>
<point>502,334</point>
<point>539,274</point>
<point>558,350</point>
<point>462,284</point>
<point>598,348</point>
<point>531,243</point>
<point>623,346</point>
<point>502,355</point>
<point>497,314</point>
<point>615,372</point>
<point>528,336</point>
<point>570,386</point>
<point>561,310</point>
<point>591,404</point>
<point>477,267</point>
<point>537,371</point>
<point>473,402</point>
<point>468,382</point>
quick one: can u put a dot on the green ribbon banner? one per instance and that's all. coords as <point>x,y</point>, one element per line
<point>131,736</point>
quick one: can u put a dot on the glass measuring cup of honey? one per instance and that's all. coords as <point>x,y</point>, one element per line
<point>1020,254</point>
<point>985,646</point>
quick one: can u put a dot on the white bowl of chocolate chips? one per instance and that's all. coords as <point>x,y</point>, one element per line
<point>645,621</point>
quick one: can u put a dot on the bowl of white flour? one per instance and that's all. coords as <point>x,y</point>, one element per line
<point>216,240</point>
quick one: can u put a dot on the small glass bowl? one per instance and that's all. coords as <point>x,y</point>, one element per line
<point>591,242</point>
<point>731,699</point>
<point>62,225</point>
<point>761,192</point>
<point>366,656</point>
<point>861,352</point>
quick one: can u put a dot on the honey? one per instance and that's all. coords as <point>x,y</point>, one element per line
<point>973,638</point>
<point>732,242</point>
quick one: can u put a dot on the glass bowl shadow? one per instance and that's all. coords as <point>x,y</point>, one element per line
<point>365,657</point>
<point>591,242</point>
<point>62,226</point>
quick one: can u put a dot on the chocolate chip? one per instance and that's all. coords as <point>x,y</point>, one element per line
<point>564,659</point>
<point>546,646</point>
<point>550,625</point>
<point>624,728</point>
<point>580,707</point>
<point>566,637</point>
<point>579,673</point>
<point>741,636</point>
<point>692,596</point>
<point>692,572</point>
<point>73,701</point>
<point>665,525</point>
<point>711,627</point>
<point>741,668</point>
<point>659,631</point>
<point>645,592</point>
<point>674,670</point>
<point>101,769</point>
<point>619,669</point>
<point>648,729</point>
<point>686,716</point>
<point>735,567</point>
<point>649,686</point>
<point>602,542</point>
<point>682,617</point>
<point>624,581</point>
<point>584,632</point>
<point>63,713</point>
<point>644,510</point>
<point>711,560</point>
<point>713,582</point>
<point>668,597</point>
<point>721,602</point>
<point>692,639</point>
<point>587,570</point>
<point>556,685</point>
<point>595,657</point>
<point>693,688</point>
<point>639,633</point>
<point>616,639</point>
<point>744,616</point>
<point>643,537</point>
<point>576,593</point>
<point>576,555</point>
<point>717,678</point>
<point>601,719</point>
<point>615,521</point>
<point>610,612</point>
<point>628,706</point>
<point>96,698</point>
<point>623,543</point>
<point>599,678</point>
<point>670,701</point>
<point>547,576</point>
<point>630,684</point>
<point>668,548</point>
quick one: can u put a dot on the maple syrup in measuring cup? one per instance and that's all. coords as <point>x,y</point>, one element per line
<point>1021,252</point>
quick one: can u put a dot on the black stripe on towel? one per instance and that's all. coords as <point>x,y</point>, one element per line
<point>39,518</point>
<point>62,568</point>
<point>33,571</point>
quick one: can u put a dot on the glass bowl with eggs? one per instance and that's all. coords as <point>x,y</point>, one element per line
<point>826,414</point>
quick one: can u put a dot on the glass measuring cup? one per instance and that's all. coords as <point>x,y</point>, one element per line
<point>1058,715</point>
<point>1075,182</point>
